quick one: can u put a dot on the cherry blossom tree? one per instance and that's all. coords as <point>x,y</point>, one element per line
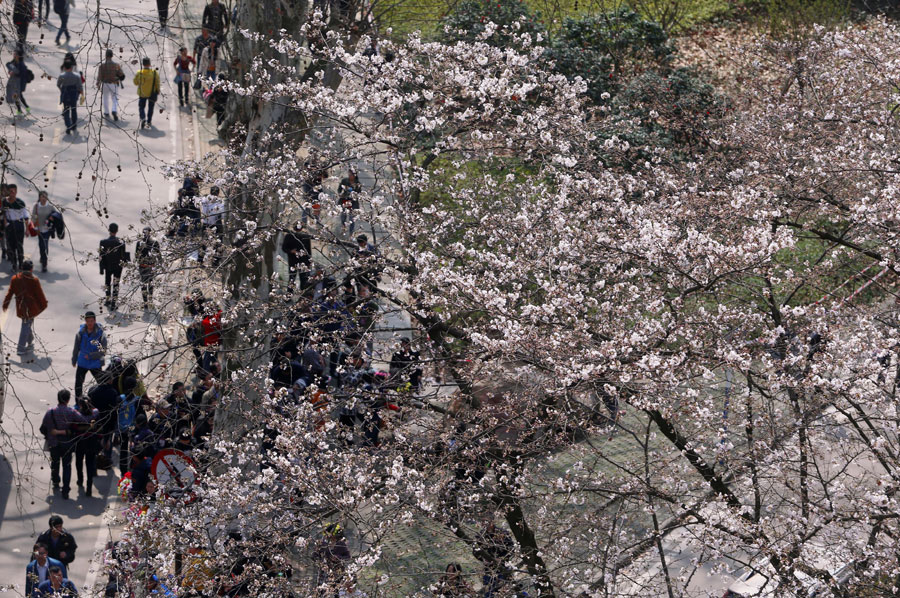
<point>700,346</point>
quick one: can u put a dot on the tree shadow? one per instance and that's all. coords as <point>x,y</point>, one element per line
<point>22,123</point>
<point>51,276</point>
<point>38,364</point>
<point>6,484</point>
<point>119,318</point>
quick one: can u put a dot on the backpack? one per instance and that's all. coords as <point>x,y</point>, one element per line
<point>60,7</point>
<point>57,225</point>
<point>29,75</point>
<point>127,411</point>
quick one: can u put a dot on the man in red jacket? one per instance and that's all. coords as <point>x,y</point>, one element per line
<point>212,329</point>
<point>30,302</point>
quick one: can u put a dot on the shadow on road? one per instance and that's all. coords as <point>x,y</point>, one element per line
<point>39,364</point>
<point>6,483</point>
<point>52,276</point>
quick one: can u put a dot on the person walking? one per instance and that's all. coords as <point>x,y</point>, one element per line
<point>43,12</point>
<point>60,544</point>
<point>89,351</point>
<point>19,77</point>
<point>112,257</point>
<point>183,64</point>
<point>162,9</point>
<point>348,198</point>
<point>148,256</point>
<point>61,7</point>
<point>30,302</point>
<point>70,89</point>
<point>147,82</point>
<point>109,78</point>
<point>23,14</point>
<point>38,570</point>
<point>298,247</point>
<point>58,586</point>
<point>216,19</point>
<point>87,447</point>
<point>59,425</point>
<point>40,218</point>
<point>15,215</point>
<point>210,62</point>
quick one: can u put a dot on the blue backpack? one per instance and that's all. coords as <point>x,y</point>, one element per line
<point>127,411</point>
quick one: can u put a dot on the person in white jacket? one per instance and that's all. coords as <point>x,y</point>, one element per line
<point>211,62</point>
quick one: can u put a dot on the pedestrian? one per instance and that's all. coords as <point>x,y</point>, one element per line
<point>406,361</point>
<point>112,257</point>
<point>57,586</point>
<point>38,570</point>
<point>19,77</point>
<point>61,7</point>
<point>312,193</point>
<point>298,247</point>
<point>148,256</point>
<point>89,351</point>
<point>332,556</point>
<point>30,302</point>
<point>70,89</point>
<point>183,64</point>
<point>87,447</point>
<point>128,410</point>
<point>452,584</point>
<point>40,218</point>
<point>109,79</point>
<point>43,12</point>
<point>15,214</point>
<point>211,326</point>
<point>147,82</point>
<point>23,14</point>
<point>216,19</point>
<point>58,426</point>
<point>348,199</point>
<point>60,544</point>
<point>210,62</point>
<point>200,44</point>
<point>162,8</point>
<point>218,99</point>
<point>212,213</point>
<point>106,398</point>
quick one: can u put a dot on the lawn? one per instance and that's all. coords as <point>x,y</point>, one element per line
<point>406,16</point>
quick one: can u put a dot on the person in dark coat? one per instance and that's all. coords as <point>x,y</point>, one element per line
<point>19,74</point>
<point>60,544</point>
<point>112,258</point>
<point>298,247</point>
<point>105,398</point>
<point>148,256</point>
<point>23,14</point>
<point>87,447</point>
<point>406,362</point>
<point>216,19</point>
<point>15,215</point>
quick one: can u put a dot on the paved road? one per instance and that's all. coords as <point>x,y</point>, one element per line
<point>111,172</point>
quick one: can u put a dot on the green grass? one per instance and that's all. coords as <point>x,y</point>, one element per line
<point>406,16</point>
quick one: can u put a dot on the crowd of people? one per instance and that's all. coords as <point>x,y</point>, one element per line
<point>208,59</point>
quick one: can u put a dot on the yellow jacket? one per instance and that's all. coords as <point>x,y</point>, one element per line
<point>147,81</point>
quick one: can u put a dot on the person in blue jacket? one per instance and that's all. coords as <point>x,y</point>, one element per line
<point>38,570</point>
<point>89,351</point>
<point>56,586</point>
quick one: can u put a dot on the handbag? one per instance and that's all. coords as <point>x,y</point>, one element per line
<point>177,79</point>
<point>197,83</point>
<point>31,229</point>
